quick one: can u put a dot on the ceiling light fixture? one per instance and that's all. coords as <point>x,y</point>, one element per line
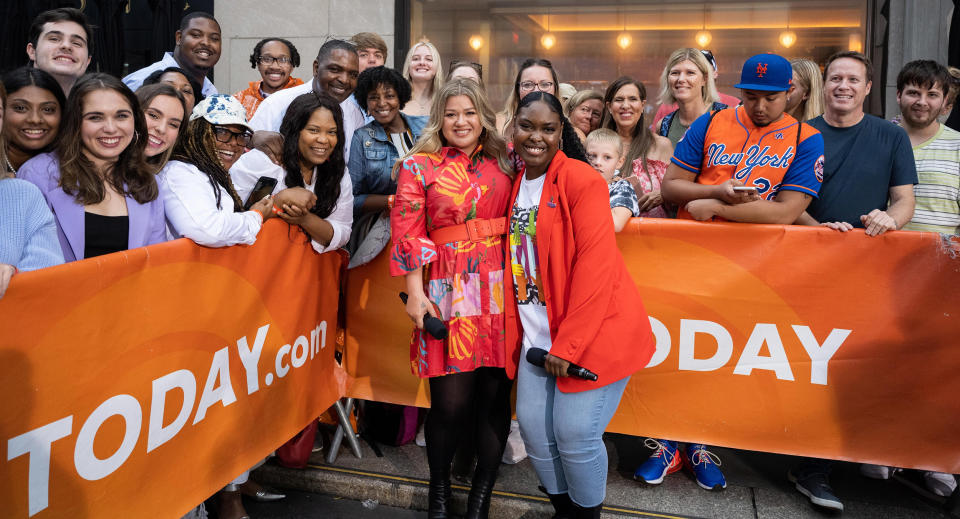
<point>548,40</point>
<point>703,37</point>
<point>624,39</point>
<point>788,37</point>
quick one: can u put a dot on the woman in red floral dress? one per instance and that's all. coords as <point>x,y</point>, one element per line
<point>453,190</point>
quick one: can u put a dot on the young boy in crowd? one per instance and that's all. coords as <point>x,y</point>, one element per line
<point>605,153</point>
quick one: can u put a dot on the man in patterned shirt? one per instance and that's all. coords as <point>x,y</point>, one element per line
<point>922,86</point>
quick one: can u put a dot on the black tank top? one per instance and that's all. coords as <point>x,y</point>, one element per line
<point>105,234</point>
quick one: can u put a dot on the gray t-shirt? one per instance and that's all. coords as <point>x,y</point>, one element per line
<point>861,163</point>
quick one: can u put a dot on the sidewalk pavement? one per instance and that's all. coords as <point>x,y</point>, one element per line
<point>757,486</point>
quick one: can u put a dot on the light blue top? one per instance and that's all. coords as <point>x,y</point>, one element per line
<point>28,235</point>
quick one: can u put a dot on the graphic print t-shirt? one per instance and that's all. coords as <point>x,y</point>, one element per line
<point>527,286</point>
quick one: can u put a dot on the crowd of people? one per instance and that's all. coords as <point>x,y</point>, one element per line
<point>501,223</point>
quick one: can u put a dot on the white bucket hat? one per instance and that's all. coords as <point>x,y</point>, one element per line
<point>221,109</point>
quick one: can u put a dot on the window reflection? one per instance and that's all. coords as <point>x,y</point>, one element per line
<point>594,44</point>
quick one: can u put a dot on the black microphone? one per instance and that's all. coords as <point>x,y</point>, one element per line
<point>537,357</point>
<point>431,324</point>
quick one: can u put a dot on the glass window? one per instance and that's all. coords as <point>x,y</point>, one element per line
<point>591,46</point>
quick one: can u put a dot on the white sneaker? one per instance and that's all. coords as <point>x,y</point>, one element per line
<point>876,471</point>
<point>421,439</point>
<point>939,483</point>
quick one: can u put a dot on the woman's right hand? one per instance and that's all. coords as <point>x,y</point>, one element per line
<point>264,206</point>
<point>417,306</point>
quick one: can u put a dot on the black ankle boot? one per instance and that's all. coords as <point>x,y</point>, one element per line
<point>438,497</point>
<point>562,505</point>
<point>478,502</point>
<point>593,512</point>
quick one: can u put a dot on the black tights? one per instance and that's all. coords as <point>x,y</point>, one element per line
<point>478,398</point>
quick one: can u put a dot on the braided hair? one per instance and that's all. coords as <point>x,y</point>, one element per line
<point>198,147</point>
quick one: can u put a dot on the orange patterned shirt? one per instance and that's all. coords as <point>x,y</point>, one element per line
<point>251,97</point>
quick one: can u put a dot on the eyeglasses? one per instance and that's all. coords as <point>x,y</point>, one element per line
<point>543,85</point>
<point>586,110</point>
<point>270,60</point>
<point>224,135</point>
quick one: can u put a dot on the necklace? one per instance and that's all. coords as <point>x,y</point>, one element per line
<point>10,167</point>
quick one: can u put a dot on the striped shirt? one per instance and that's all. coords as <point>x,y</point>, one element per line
<point>938,193</point>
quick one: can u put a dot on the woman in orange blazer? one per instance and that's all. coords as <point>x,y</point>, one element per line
<point>574,298</point>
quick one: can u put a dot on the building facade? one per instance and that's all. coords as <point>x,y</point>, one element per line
<point>592,43</point>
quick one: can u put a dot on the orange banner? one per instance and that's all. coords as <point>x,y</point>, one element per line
<point>138,384</point>
<point>797,340</point>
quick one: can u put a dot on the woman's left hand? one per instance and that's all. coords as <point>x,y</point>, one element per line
<point>555,366</point>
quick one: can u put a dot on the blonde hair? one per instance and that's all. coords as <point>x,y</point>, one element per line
<point>605,136</point>
<point>438,78</point>
<point>809,77</point>
<point>432,139</point>
<point>565,90</point>
<point>579,98</point>
<point>709,90</point>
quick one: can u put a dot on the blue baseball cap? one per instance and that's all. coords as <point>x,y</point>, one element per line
<point>768,72</point>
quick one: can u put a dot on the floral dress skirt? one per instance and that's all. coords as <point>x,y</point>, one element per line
<point>464,279</point>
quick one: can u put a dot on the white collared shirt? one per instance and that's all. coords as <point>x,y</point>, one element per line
<point>255,164</point>
<point>191,207</point>
<point>134,80</point>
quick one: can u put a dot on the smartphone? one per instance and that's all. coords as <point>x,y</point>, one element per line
<point>262,188</point>
<point>745,189</point>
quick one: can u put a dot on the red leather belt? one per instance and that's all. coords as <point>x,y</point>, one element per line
<point>474,230</point>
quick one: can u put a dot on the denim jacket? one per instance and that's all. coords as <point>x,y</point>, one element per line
<point>372,156</point>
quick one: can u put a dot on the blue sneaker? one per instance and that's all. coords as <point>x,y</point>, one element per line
<point>663,461</point>
<point>705,466</point>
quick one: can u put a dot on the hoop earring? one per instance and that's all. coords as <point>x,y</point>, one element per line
<point>136,137</point>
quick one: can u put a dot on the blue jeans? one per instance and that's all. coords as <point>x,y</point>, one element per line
<point>563,433</point>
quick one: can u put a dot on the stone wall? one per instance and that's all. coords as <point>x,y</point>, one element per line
<point>919,29</point>
<point>306,23</point>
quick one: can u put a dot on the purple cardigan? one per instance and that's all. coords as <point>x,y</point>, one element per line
<point>147,224</point>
